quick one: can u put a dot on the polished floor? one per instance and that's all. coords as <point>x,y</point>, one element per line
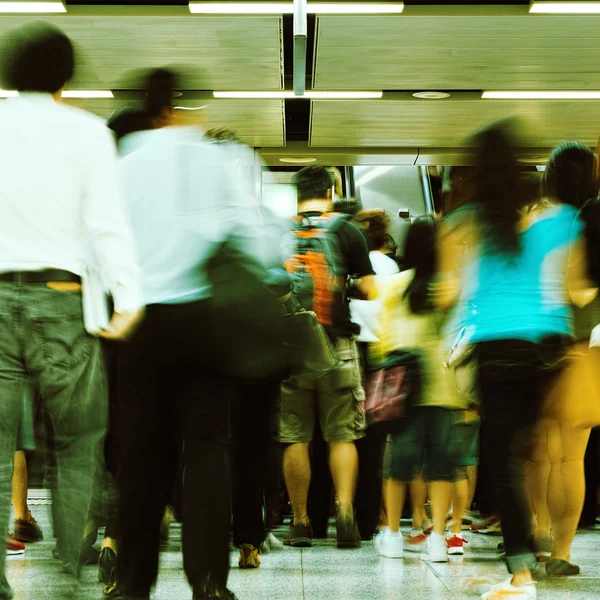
<point>319,573</point>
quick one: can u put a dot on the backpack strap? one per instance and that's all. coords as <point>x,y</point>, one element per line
<point>332,221</point>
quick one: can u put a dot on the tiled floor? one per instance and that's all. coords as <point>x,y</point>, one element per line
<point>320,573</point>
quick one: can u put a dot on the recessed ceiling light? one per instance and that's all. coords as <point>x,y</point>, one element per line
<point>300,160</point>
<point>32,7</point>
<point>191,107</point>
<point>565,8</point>
<point>310,95</point>
<point>431,95</point>
<point>542,95</point>
<point>279,8</point>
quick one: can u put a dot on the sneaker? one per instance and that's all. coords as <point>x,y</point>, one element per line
<point>348,535</point>
<point>27,530</point>
<point>249,558</point>
<point>271,544</point>
<point>455,544</point>
<point>299,536</point>
<point>390,545</point>
<point>506,589</point>
<point>436,548</point>
<point>13,546</point>
<point>489,526</point>
<point>379,537</point>
<point>428,531</point>
<point>416,543</point>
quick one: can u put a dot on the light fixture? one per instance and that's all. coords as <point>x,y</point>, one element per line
<point>310,95</point>
<point>283,8</point>
<point>300,160</point>
<point>100,94</point>
<point>431,95</point>
<point>192,108</point>
<point>82,94</point>
<point>373,174</point>
<point>542,95</point>
<point>565,8</point>
<point>33,7</point>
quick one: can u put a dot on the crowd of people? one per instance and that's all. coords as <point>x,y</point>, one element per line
<point>244,352</point>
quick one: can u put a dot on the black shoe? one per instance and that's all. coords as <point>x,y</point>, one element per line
<point>347,532</point>
<point>111,592</point>
<point>89,556</point>
<point>299,536</point>
<point>107,565</point>
<point>561,568</point>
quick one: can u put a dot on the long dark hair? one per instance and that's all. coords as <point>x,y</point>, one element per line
<point>498,189</point>
<point>420,255</point>
<point>570,174</point>
<point>160,86</point>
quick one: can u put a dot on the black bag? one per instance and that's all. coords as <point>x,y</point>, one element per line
<point>263,338</point>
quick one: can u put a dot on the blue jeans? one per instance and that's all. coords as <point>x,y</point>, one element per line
<point>44,345</point>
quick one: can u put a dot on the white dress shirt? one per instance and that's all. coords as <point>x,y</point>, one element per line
<point>184,197</point>
<point>61,203</point>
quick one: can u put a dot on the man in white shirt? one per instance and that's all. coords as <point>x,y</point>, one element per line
<point>60,203</point>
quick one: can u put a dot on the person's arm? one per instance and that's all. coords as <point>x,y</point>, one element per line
<point>106,224</point>
<point>358,262</point>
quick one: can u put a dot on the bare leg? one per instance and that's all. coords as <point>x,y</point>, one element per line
<point>394,493</point>
<point>296,470</point>
<point>441,496</point>
<point>472,477</point>
<point>538,480</point>
<point>19,486</point>
<point>459,504</point>
<point>566,492</point>
<point>343,462</point>
<point>418,495</point>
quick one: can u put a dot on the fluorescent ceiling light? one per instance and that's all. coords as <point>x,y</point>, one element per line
<point>191,107</point>
<point>106,94</point>
<point>32,7</point>
<point>241,8</point>
<point>373,174</point>
<point>565,8</point>
<point>539,95</point>
<point>279,8</point>
<point>285,95</point>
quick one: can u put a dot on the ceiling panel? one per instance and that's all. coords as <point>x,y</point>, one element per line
<point>448,123</point>
<point>457,48</point>
<point>257,122</point>
<point>221,53</point>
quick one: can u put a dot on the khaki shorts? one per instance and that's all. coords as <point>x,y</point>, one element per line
<point>337,399</point>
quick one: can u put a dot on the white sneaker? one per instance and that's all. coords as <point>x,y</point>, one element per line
<point>507,589</point>
<point>390,545</point>
<point>436,548</point>
<point>380,534</point>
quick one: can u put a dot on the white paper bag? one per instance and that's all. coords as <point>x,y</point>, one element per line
<point>96,313</point>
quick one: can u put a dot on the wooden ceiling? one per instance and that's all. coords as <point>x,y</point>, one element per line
<point>462,49</point>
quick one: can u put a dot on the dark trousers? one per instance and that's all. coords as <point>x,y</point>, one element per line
<point>371,450</point>
<point>513,379</point>
<point>253,467</point>
<point>592,479</point>
<point>171,383</point>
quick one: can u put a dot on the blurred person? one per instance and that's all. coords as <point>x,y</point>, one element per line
<point>60,196</point>
<point>255,459</point>
<point>520,318</point>
<point>375,225</point>
<point>557,468</point>
<point>336,400</point>
<point>424,445</point>
<point>174,374</point>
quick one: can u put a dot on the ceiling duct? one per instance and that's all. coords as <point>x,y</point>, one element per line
<point>300,34</point>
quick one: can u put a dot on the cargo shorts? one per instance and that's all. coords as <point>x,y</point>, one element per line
<point>336,399</point>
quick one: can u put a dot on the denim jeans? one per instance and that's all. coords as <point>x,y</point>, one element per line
<point>44,345</point>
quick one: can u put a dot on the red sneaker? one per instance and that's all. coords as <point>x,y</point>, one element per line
<point>13,546</point>
<point>455,545</point>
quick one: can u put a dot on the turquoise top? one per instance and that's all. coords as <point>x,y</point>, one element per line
<point>524,296</point>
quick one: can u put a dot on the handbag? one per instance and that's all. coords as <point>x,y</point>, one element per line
<point>390,390</point>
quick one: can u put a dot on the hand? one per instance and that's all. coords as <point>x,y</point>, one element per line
<point>122,325</point>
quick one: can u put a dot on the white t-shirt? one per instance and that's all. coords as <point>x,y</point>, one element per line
<point>365,313</point>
